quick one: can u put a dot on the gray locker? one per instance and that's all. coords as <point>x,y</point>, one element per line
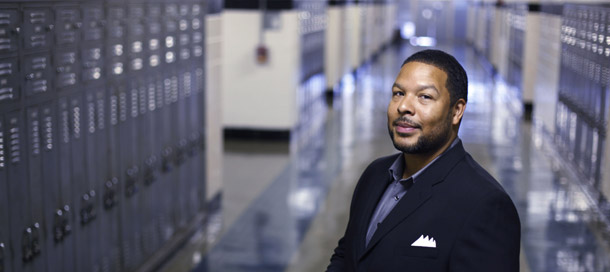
<point>65,213</point>
<point>38,24</point>
<point>93,22</point>
<point>129,174</point>
<point>83,197</point>
<point>20,218</point>
<point>67,72</point>
<point>112,195</point>
<point>9,29</point>
<point>37,73</point>
<point>9,86</point>
<point>35,186</point>
<point>68,24</point>
<point>94,167</point>
<point>5,253</point>
<point>100,131</point>
<point>52,198</point>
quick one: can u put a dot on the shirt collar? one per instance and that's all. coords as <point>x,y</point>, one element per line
<point>398,166</point>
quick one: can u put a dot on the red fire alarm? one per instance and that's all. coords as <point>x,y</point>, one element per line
<point>262,54</point>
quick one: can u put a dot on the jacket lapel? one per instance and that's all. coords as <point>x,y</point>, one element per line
<point>374,193</point>
<point>417,195</point>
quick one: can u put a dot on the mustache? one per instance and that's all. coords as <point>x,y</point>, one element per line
<point>404,119</point>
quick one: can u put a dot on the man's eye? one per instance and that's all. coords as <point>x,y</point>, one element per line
<point>397,94</point>
<point>425,96</point>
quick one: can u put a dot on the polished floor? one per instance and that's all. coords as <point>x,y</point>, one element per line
<point>285,204</point>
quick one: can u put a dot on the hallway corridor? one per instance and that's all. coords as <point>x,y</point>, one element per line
<point>286,204</point>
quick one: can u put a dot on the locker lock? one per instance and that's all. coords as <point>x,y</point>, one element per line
<point>131,181</point>
<point>166,157</point>
<point>110,194</point>
<point>87,212</point>
<point>150,170</point>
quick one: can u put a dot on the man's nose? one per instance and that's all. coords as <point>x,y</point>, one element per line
<point>406,105</point>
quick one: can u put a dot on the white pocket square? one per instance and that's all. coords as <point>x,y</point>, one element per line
<point>424,242</point>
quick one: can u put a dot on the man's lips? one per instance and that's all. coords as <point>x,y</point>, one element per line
<point>403,127</point>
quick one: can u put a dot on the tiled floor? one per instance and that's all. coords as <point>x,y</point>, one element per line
<point>286,204</point>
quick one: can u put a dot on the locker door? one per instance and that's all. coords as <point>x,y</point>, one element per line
<point>5,253</point>
<point>199,126</point>
<point>112,195</point>
<point>128,174</point>
<point>82,196</point>
<point>151,168</point>
<point>54,228</point>
<point>35,185</point>
<point>93,167</point>
<point>164,118</point>
<point>21,228</point>
<point>66,213</point>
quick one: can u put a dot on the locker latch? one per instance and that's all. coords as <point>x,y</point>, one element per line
<point>61,227</point>
<point>166,158</point>
<point>36,239</point>
<point>180,152</point>
<point>130,183</point>
<point>1,257</point>
<point>27,253</point>
<point>149,170</point>
<point>87,212</point>
<point>110,195</point>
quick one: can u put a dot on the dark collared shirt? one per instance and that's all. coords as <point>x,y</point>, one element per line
<point>396,190</point>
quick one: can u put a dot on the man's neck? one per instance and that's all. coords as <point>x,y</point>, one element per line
<point>415,162</point>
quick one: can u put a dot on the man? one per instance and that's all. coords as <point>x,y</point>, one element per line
<point>431,207</point>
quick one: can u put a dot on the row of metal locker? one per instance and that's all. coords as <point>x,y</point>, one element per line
<point>583,88</point>
<point>569,45</point>
<point>101,131</point>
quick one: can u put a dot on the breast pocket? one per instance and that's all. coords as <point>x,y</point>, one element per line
<point>420,252</point>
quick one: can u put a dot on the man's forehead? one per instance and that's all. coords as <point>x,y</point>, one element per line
<point>419,73</point>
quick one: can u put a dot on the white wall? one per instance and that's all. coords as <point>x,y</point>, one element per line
<point>213,100</point>
<point>260,96</point>
<point>530,56</point>
<point>549,63</point>
<point>354,14</point>
<point>335,44</point>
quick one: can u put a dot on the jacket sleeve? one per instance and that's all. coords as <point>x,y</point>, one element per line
<point>337,261</point>
<point>490,238</point>
<point>339,258</point>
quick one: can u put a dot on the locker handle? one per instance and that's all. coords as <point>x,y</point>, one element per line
<point>166,160</point>
<point>130,183</point>
<point>67,229</point>
<point>26,242</point>
<point>58,230</point>
<point>87,211</point>
<point>36,239</point>
<point>1,257</point>
<point>149,170</point>
<point>110,196</point>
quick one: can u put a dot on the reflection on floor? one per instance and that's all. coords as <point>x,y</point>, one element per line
<point>286,204</point>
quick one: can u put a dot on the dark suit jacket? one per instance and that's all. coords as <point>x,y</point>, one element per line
<point>455,201</point>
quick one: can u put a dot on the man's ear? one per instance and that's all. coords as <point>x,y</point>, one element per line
<point>458,111</point>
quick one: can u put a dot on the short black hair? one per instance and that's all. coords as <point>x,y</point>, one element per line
<point>457,80</point>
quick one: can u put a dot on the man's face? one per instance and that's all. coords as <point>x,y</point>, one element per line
<point>420,116</point>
